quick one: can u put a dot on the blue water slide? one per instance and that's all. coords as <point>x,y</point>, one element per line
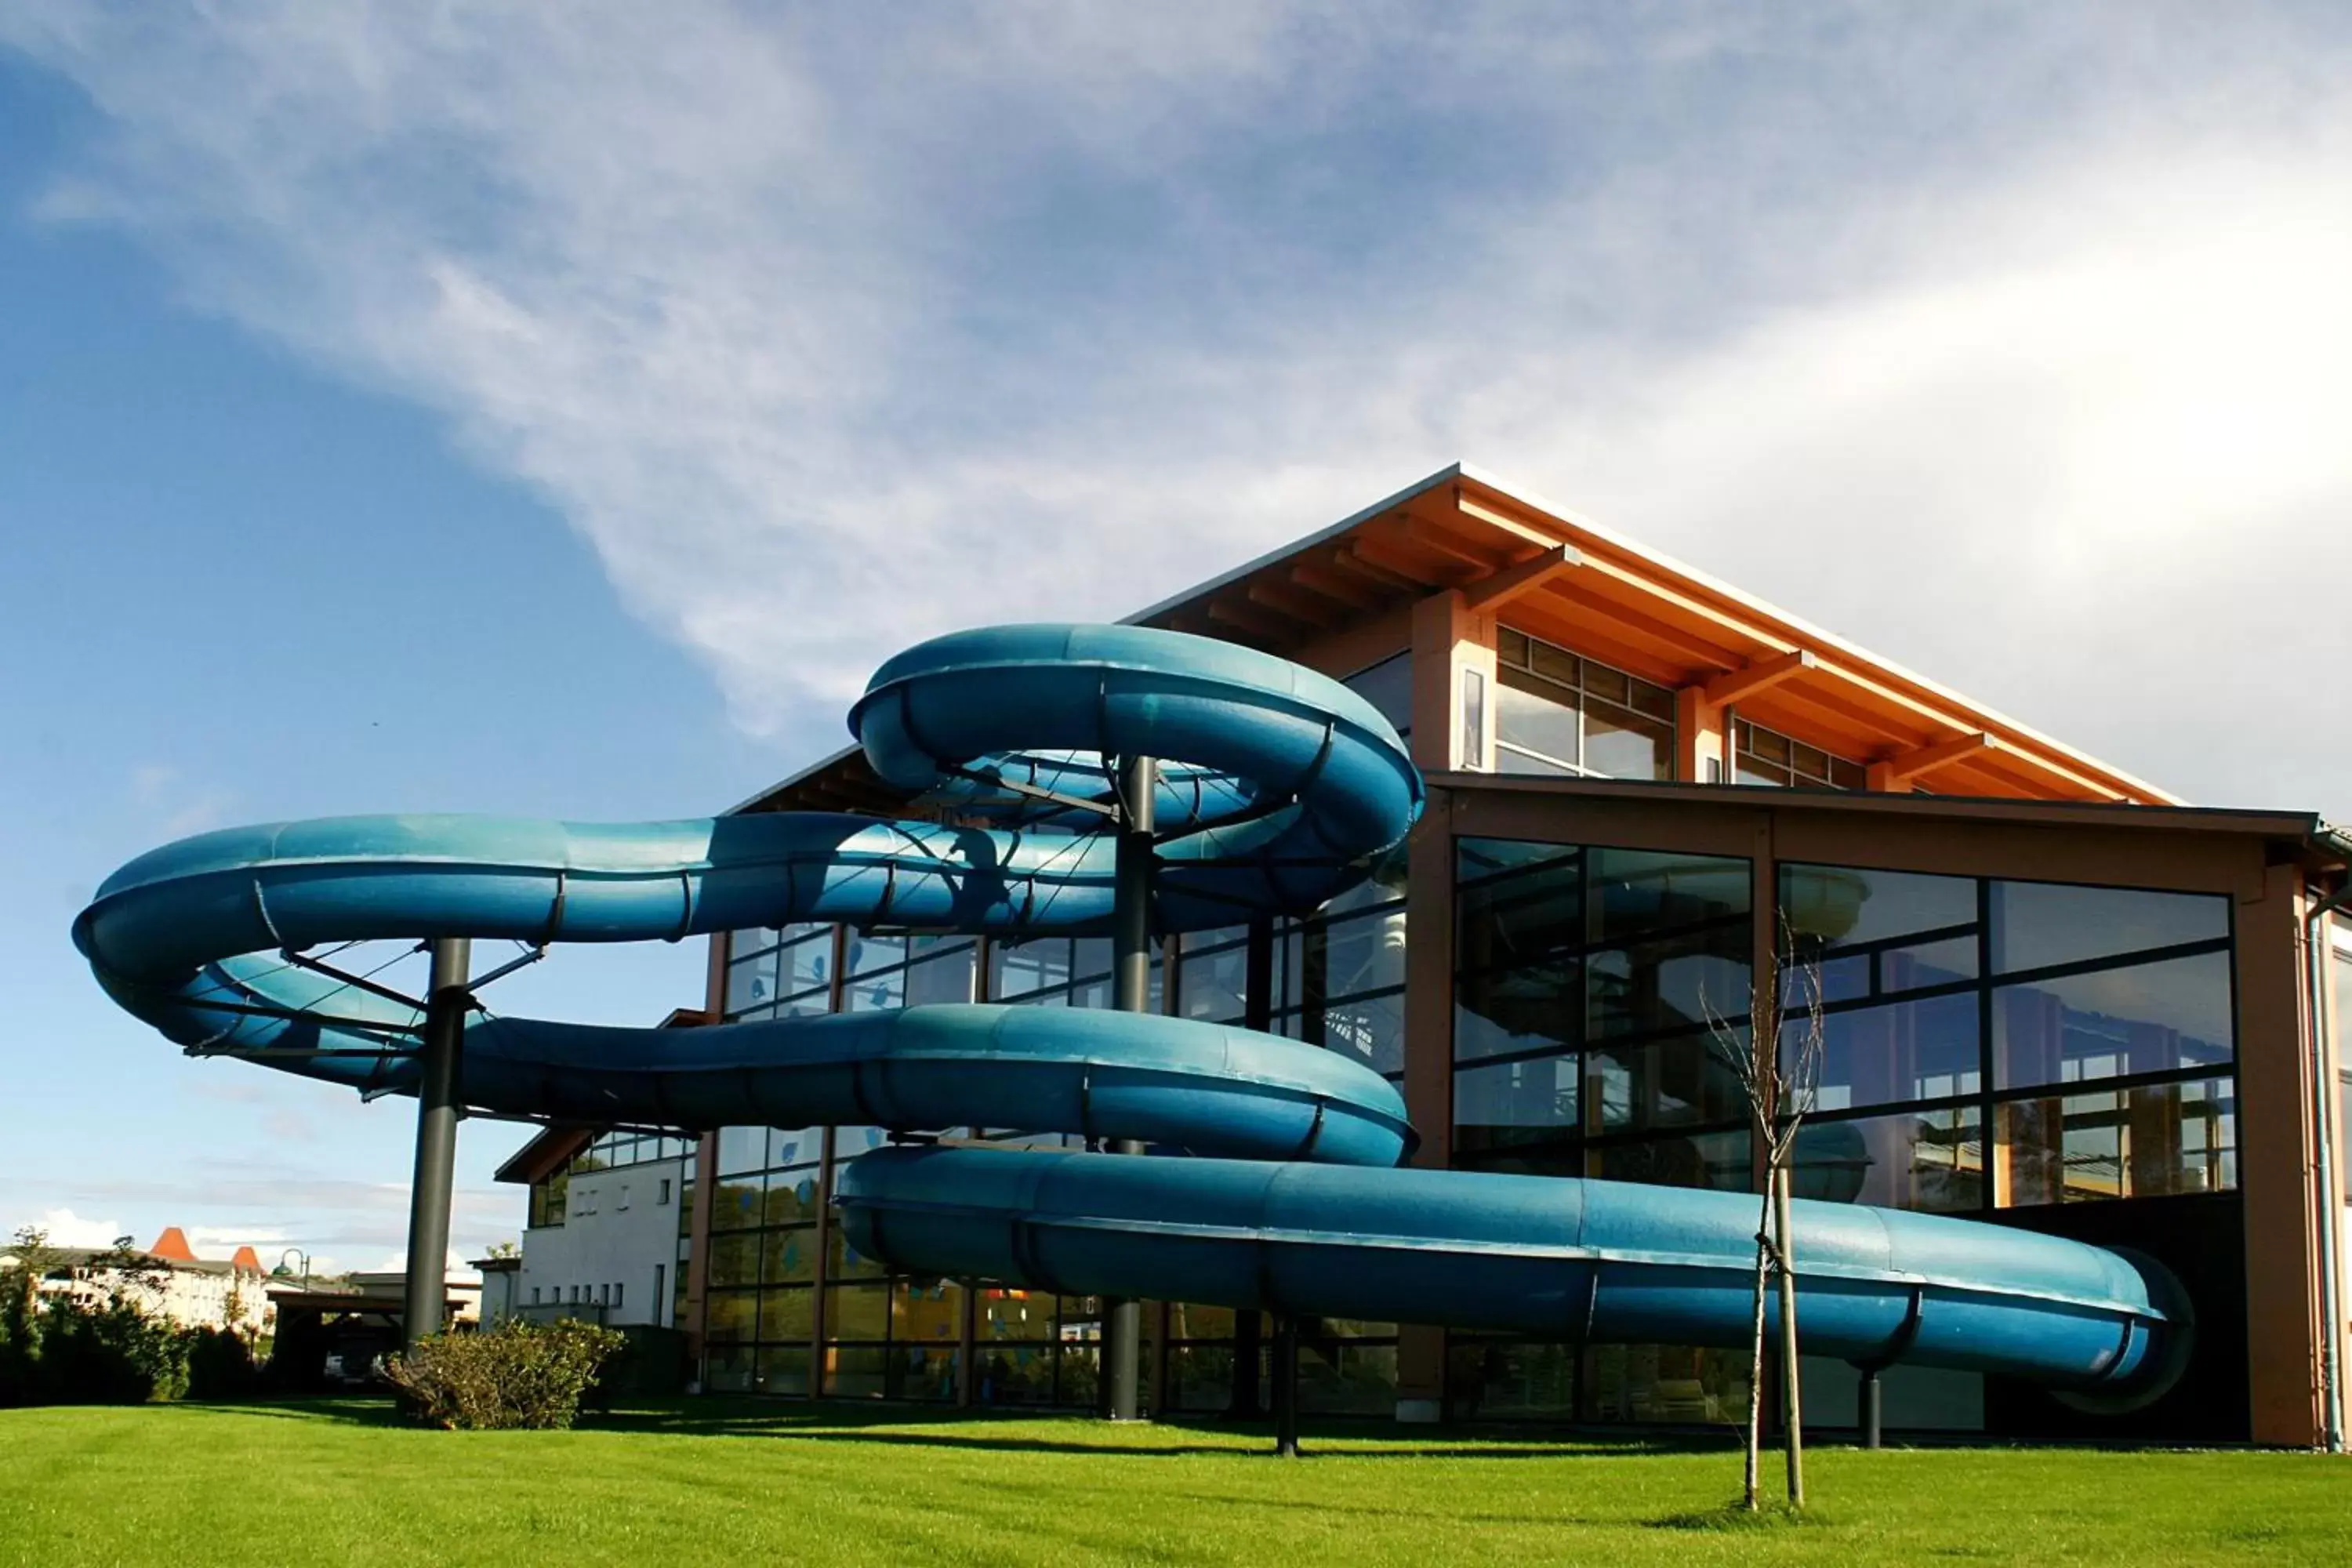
<point>1279,789</point>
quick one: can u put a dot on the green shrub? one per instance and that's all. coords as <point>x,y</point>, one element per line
<point>516,1374</point>
<point>222,1364</point>
<point>107,1353</point>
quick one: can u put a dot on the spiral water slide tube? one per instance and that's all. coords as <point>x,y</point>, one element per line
<point>1282,787</point>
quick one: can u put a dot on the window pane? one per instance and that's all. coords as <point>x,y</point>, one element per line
<point>1017,969</point>
<point>1369,1028</point>
<point>1499,1379</point>
<point>926,1311</point>
<point>806,964</point>
<point>848,1263</point>
<point>858,1312</point>
<point>787,1314</point>
<point>1366,953</point>
<point>735,1257</point>
<point>1552,663</point>
<point>1846,906</point>
<point>1622,744</point>
<point>1679,983</point>
<point>867,954</point>
<point>2142,1142</point>
<point>1014,1315</point>
<point>1483,857</point>
<point>733,1316</point>
<point>788,1257</point>
<point>2149,1017</point>
<point>857,1372</point>
<point>791,1197</point>
<point>1536,716</point>
<point>1718,1160</point>
<point>1518,1010</point>
<point>875,993</point>
<point>1533,912</point>
<point>1910,1050</point>
<point>2038,924</point>
<point>1388,687</point>
<point>1638,891</point>
<point>742,1149</point>
<point>1929,1159</point>
<point>946,978</point>
<point>784,1370</point>
<point>1514,1102</point>
<point>735,1205</point>
<point>848,1142</point>
<point>1671,1084</point>
<point>750,982</point>
<point>1929,965</point>
<point>924,1374</point>
<point>790,1146</point>
<point>1214,985</point>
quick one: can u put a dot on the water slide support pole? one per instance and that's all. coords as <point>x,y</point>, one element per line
<point>1868,1417</point>
<point>445,1001</point>
<point>1286,1385</point>
<point>1139,785</point>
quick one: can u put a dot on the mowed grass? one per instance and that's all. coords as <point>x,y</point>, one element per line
<point>729,1482</point>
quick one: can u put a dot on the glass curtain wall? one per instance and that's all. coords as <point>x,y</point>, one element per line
<point>1988,1043</point>
<point>2000,1043</point>
<point>1586,982</point>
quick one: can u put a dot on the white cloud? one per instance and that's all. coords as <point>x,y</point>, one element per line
<point>66,1229</point>
<point>2004,338</point>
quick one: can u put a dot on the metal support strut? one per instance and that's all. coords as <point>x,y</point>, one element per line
<point>446,1001</point>
<point>1130,950</point>
<point>1286,1385</point>
<point>1867,1417</point>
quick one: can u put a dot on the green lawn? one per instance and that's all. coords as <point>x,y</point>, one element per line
<point>732,1483</point>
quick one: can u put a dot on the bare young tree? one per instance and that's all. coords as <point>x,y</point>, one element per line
<point>1776,1061</point>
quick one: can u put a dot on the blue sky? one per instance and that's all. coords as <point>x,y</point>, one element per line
<point>560,410</point>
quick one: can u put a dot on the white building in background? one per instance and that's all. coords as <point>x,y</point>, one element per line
<point>603,1239</point>
<point>168,1280</point>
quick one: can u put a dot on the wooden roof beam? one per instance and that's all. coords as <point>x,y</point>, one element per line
<point>1299,605</point>
<point>1487,592</point>
<point>1236,611</point>
<point>1757,675</point>
<point>1447,543</point>
<point>1571,592</point>
<point>1492,518</point>
<point>1898,771</point>
<point>1390,556</point>
<point>1337,586</point>
<point>1353,564</point>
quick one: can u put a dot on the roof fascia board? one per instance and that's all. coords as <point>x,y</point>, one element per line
<point>1798,629</point>
<point>1444,475</point>
<point>2077,812</point>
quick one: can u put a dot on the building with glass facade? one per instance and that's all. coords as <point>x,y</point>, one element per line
<point>2051,996</point>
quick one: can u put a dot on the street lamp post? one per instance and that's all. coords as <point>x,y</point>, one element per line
<point>296,1252</point>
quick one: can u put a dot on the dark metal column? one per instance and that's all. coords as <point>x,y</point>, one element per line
<point>1257,1013</point>
<point>1286,1385</point>
<point>445,1001</point>
<point>1130,980</point>
<point>1871,1399</point>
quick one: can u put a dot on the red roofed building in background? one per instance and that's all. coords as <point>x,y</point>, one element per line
<point>169,1279</point>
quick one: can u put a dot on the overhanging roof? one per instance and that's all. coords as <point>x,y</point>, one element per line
<point>2299,828</point>
<point>1567,579</point>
